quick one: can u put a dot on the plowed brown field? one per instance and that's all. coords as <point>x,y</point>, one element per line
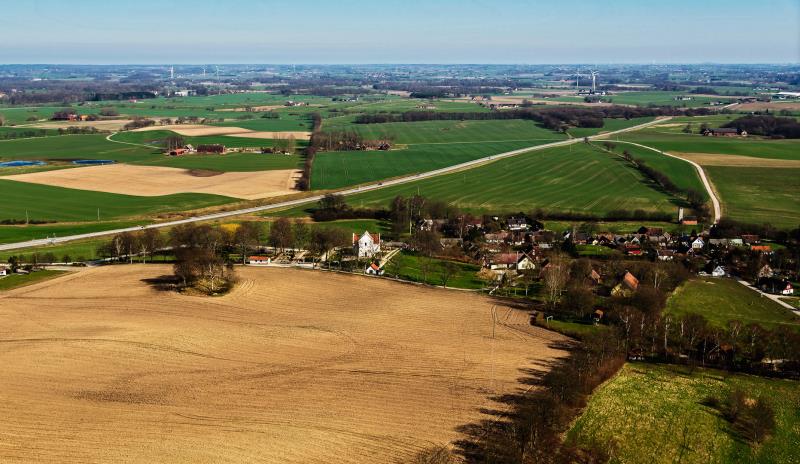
<point>291,367</point>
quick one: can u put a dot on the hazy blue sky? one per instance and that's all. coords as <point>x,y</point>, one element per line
<point>399,31</point>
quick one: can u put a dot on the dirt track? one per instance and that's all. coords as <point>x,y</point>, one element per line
<point>293,366</point>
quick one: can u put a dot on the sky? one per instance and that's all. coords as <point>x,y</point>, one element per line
<point>399,31</point>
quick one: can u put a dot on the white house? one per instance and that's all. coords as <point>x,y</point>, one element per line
<point>698,244</point>
<point>525,262</point>
<point>366,245</point>
<point>3,271</point>
<point>259,260</point>
<point>718,271</point>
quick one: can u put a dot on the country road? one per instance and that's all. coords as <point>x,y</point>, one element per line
<point>706,183</point>
<point>350,191</point>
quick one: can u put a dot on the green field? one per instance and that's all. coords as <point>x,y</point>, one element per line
<point>156,139</point>
<point>652,97</point>
<point>724,300</point>
<point>695,143</point>
<point>409,267</point>
<point>71,147</point>
<point>20,280</point>
<point>681,173</point>
<point>42,202</point>
<point>579,179</point>
<point>759,195</point>
<point>441,132</point>
<point>13,234</point>
<point>609,125</point>
<point>654,414</point>
<point>340,169</point>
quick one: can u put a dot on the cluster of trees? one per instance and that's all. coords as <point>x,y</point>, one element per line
<point>531,430</point>
<point>77,130</point>
<point>767,125</point>
<point>310,152</point>
<point>751,419</point>
<point>21,134</point>
<point>332,207</point>
<point>555,118</point>
<point>200,262</point>
<point>645,331</point>
<point>138,123</point>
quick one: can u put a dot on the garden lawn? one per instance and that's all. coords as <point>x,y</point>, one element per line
<point>409,266</point>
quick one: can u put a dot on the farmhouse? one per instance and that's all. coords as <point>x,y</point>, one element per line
<point>3,271</point>
<point>628,285</point>
<point>725,132</point>
<point>719,271</point>
<point>259,260</point>
<point>367,245</point>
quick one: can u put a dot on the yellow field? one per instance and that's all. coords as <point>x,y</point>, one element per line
<point>194,130</point>
<point>292,367</point>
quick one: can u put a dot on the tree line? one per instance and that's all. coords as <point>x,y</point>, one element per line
<point>767,125</point>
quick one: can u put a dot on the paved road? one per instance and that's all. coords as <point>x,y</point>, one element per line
<point>301,201</point>
<point>700,171</point>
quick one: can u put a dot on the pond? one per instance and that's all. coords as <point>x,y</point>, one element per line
<point>16,164</point>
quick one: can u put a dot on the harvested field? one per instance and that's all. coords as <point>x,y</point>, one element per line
<point>292,367</point>
<point>195,130</point>
<point>772,106</point>
<point>712,159</point>
<point>105,125</point>
<point>151,181</point>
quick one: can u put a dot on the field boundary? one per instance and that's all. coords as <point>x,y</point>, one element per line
<point>349,191</point>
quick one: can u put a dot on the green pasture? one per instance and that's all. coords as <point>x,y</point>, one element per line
<point>609,125</point>
<point>759,195</point>
<point>721,300</point>
<point>655,414</point>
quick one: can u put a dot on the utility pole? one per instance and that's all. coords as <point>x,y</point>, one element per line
<point>27,220</point>
<point>98,214</point>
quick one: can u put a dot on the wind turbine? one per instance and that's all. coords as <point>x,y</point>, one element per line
<point>172,72</point>
<point>594,81</point>
<point>577,81</point>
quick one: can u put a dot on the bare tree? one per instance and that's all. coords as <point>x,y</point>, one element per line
<point>281,234</point>
<point>448,270</point>
<point>247,236</point>
<point>556,275</point>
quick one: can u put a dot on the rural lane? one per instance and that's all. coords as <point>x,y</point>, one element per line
<point>350,191</point>
<point>700,172</point>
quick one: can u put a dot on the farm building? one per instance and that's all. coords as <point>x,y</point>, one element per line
<point>719,271</point>
<point>214,148</point>
<point>373,269</point>
<point>259,260</point>
<point>724,132</point>
<point>367,245</point>
<point>3,271</point>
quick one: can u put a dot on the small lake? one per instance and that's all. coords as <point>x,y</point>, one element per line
<point>93,162</point>
<point>16,164</point>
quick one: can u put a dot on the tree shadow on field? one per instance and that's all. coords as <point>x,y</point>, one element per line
<point>164,283</point>
<point>495,438</point>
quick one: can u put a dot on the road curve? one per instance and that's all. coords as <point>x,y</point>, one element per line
<point>706,183</point>
<point>349,191</point>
